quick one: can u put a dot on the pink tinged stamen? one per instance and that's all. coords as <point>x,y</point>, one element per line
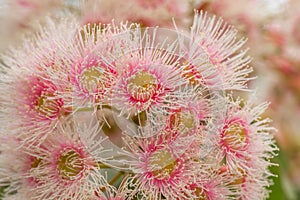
<point>142,86</point>
<point>91,79</point>
<point>71,164</point>
<point>198,192</point>
<point>34,164</point>
<point>235,135</point>
<point>190,73</point>
<point>182,118</point>
<point>237,177</point>
<point>162,164</point>
<point>95,79</point>
<point>42,98</point>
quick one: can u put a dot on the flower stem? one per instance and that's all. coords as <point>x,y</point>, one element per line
<point>116,178</point>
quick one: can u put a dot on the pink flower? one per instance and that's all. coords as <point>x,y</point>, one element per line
<point>162,164</point>
<point>247,185</point>
<point>30,96</point>
<point>62,166</point>
<point>239,137</point>
<point>246,146</point>
<point>194,112</point>
<point>39,98</point>
<point>66,168</point>
<point>13,25</point>
<point>217,42</point>
<point>84,70</point>
<point>92,80</point>
<point>211,185</point>
<point>235,137</point>
<point>254,186</point>
<point>144,85</point>
<point>38,107</point>
<point>149,77</point>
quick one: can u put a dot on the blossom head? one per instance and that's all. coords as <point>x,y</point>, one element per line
<point>92,79</point>
<point>149,115</point>
<point>39,96</point>
<point>148,76</point>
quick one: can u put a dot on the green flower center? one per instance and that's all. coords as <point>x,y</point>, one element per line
<point>70,165</point>
<point>235,136</point>
<point>162,164</point>
<point>92,79</point>
<point>183,119</point>
<point>142,86</point>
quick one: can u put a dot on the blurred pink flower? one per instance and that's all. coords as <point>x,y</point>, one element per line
<point>146,13</point>
<point>19,16</point>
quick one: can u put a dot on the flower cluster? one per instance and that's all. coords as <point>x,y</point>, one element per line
<point>122,112</point>
<point>273,24</point>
